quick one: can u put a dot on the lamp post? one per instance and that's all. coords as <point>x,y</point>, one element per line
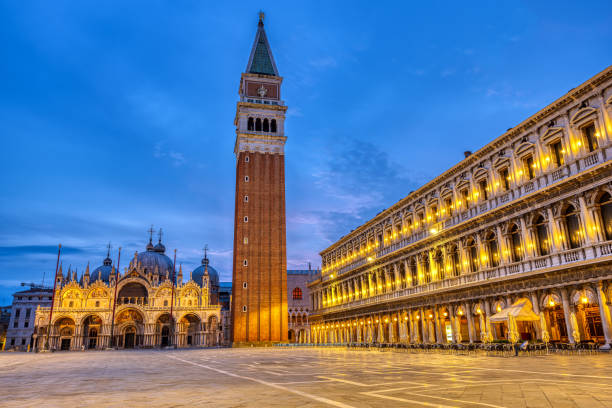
<point>53,297</point>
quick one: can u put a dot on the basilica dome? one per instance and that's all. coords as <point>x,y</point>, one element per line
<point>198,273</point>
<point>103,271</point>
<point>153,260</point>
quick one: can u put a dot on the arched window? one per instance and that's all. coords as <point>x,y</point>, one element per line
<point>165,303</point>
<point>472,253</point>
<point>258,125</point>
<point>297,294</point>
<point>266,125</point>
<point>273,126</point>
<point>454,261</point>
<point>515,241</point>
<point>572,227</point>
<point>250,124</point>
<point>492,250</point>
<point>414,274</point>
<point>439,260</point>
<point>542,235</point>
<point>426,270</point>
<point>605,210</point>
<point>591,138</point>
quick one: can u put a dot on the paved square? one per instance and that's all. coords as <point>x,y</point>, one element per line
<point>301,378</point>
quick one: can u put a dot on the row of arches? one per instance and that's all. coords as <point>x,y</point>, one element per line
<point>261,125</point>
<point>533,237</point>
<point>566,314</point>
<point>130,330</point>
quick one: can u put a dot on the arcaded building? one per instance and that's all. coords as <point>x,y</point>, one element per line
<point>140,308</point>
<point>259,292</point>
<point>514,242</point>
<point>299,305</point>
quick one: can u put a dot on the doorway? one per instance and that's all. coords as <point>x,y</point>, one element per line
<point>128,341</point>
<point>65,344</point>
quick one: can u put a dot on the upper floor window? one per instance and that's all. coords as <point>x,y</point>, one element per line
<point>572,226</point>
<point>28,312</point>
<point>465,196</point>
<point>515,241</point>
<point>273,126</point>
<point>439,261</point>
<point>529,166</point>
<point>258,125</point>
<point>454,261</point>
<point>505,179</point>
<point>590,137</point>
<point>266,125</point>
<point>492,250</point>
<point>414,274</point>
<point>557,153</point>
<point>483,186</point>
<point>449,206</point>
<point>17,313</point>
<point>541,230</point>
<point>246,159</point>
<point>426,269</point>
<point>250,124</point>
<point>297,294</point>
<point>472,253</point>
<point>434,213</point>
<point>605,210</point>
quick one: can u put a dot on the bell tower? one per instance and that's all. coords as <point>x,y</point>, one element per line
<point>259,280</point>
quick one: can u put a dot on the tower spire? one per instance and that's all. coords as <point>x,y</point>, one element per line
<point>261,60</point>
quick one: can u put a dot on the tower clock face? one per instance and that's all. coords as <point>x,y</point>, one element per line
<point>262,90</point>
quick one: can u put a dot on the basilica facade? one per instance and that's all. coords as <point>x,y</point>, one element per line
<point>140,308</point>
<point>512,243</point>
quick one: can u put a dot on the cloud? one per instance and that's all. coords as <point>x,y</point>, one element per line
<point>447,72</point>
<point>21,250</point>
<point>177,158</point>
<point>360,180</point>
<point>323,62</point>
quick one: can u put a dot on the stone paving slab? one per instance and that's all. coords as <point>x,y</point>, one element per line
<point>303,377</point>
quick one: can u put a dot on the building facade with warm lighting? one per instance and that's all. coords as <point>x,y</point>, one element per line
<point>520,230</point>
<point>140,308</point>
<point>299,304</point>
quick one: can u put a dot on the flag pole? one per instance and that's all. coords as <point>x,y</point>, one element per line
<point>172,299</point>
<point>112,344</point>
<point>53,297</point>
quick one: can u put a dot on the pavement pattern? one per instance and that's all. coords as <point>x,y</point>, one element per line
<point>301,377</point>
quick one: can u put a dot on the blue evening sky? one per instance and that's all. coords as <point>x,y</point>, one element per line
<point>115,115</point>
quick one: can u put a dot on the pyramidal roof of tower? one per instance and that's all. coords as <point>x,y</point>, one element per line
<point>261,60</point>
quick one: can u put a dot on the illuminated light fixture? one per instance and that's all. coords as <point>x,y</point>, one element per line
<point>386,320</point>
<point>460,313</point>
<point>368,321</point>
<point>445,314</point>
<point>498,308</point>
<point>433,231</point>
<point>551,302</point>
<point>584,299</point>
<point>406,318</point>
<point>418,317</point>
<point>370,259</point>
<point>430,315</point>
<point>479,311</point>
<point>395,319</point>
<point>362,323</point>
<point>376,321</point>
<point>331,276</point>
<point>355,324</point>
<point>579,143</point>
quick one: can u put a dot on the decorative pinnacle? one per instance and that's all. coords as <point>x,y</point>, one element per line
<point>108,247</point>
<point>160,235</point>
<point>261,16</point>
<point>205,250</point>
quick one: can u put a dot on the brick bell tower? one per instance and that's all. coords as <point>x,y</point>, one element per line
<point>259,284</point>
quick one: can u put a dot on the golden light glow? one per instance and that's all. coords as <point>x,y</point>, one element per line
<point>460,313</point>
<point>551,302</point>
<point>405,317</point>
<point>386,320</point>
<point>430,315</point>
<point>584,300</point>
<point>395,319</point>
<point>445,314</point>
<point>498,308</point>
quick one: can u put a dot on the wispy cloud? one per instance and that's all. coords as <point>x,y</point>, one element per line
<point>323,62</point>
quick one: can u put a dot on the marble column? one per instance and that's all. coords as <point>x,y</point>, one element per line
<point>567,315</point>
<point>604,311</point>
<point>470,319</point>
